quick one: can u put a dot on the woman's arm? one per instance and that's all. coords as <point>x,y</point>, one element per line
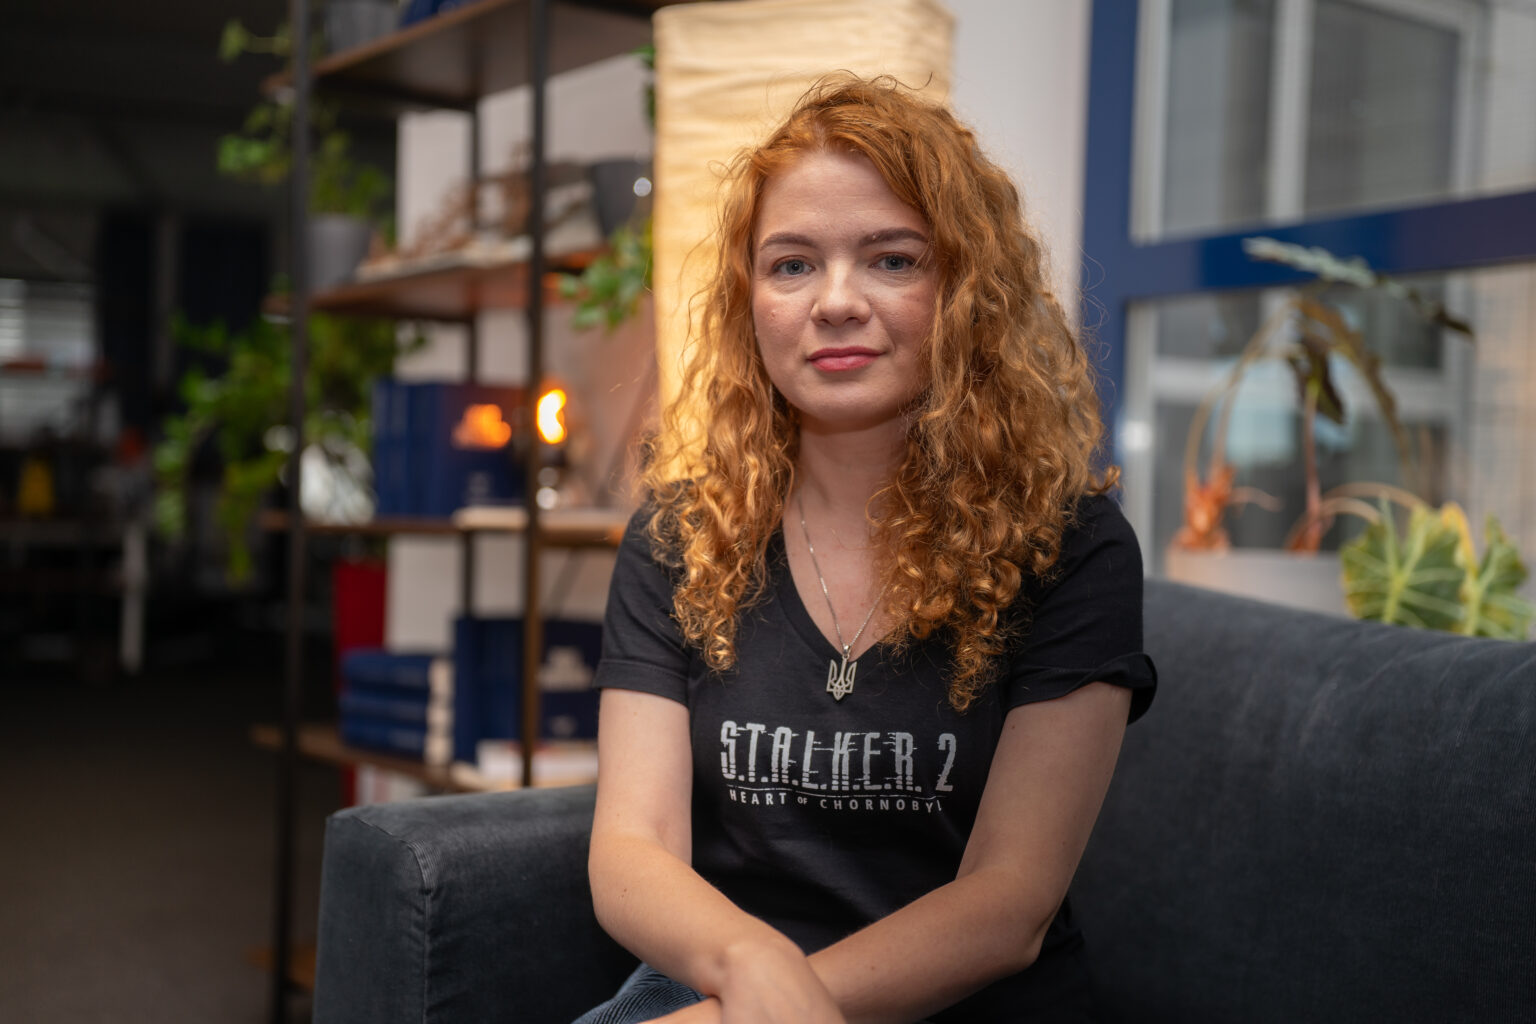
<point>1048,778</point>
<point>649,898</point>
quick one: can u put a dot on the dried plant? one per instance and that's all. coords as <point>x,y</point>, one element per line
<point>1318,332</point>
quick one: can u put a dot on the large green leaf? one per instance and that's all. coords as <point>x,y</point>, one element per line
<point>1413,580</point>
<point>1492,607</point>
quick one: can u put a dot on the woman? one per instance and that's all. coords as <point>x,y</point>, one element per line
<point>868,666</point>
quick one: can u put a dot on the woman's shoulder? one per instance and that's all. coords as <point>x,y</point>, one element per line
<point>1096,534</point>
<point>1097,517</point>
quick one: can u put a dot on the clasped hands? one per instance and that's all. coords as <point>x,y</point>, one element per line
<point>775,986</point>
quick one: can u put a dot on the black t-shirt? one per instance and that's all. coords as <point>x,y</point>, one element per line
<point>821,816</point>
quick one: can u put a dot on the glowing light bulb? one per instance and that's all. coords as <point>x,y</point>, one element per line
<point>552,416</point>
<point>482,426</point>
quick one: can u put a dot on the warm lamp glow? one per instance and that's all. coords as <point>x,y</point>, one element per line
<point>552,416</point>
<point>725,74</point>
<point>482,426</point>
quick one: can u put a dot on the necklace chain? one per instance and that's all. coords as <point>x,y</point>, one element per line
<point>839,677</point>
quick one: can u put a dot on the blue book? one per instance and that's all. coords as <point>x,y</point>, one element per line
<point>378,668</point>
<point>461,450</point>
<point>391,432</point>
<point>386,737</point>
<point>385,705</point>
<point>487,692</point>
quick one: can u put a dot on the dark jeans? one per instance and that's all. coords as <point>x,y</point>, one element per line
<point>647,994</point>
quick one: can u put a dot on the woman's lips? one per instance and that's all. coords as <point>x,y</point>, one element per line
<point>835,359</point>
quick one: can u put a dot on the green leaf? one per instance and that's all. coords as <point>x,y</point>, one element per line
<point>1413,580</point>
<point>1492,606</point>
<point>1312,370</point>
<point>609,290</point>
<point>233,42</point>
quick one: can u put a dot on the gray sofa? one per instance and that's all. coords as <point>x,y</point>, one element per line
<point>1319,820</point>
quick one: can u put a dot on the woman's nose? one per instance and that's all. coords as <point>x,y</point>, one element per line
<point>841,298</point>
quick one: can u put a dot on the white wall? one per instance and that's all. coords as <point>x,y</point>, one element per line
<point>1021,80</point>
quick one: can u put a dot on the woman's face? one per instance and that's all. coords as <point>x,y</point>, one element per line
<point>842,292</point>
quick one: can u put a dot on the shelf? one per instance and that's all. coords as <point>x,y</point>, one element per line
<point>61,533</point>
<point>454,58</point>
<point>567,528</point>
<point>321,742</point>
<point>447,294</point>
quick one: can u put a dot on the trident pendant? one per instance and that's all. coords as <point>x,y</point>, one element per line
<point>840,677</point>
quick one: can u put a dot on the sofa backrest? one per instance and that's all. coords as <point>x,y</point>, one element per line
<point>1318,820</point>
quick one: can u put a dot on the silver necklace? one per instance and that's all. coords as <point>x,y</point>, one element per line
<point>839,676</point>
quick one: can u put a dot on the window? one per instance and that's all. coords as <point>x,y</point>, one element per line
<point>1253,112</point>
<point>47,350</point>
<point>1394,130</point>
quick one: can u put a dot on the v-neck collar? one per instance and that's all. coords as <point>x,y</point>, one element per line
<point>799,617</point>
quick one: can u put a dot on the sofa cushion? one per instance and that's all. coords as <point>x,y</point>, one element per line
<point>462,908</point>
<point>1320,820</point>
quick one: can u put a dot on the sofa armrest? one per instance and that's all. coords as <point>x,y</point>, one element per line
<point>463,909</point>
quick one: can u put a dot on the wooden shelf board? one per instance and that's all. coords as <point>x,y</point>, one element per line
<point>321,742</point>
<point>579,528</point>
<point>448,294</point>
<point>276,520</point>
<point>454,58</point>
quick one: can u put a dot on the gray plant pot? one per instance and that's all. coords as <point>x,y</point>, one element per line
<point>337,244</point>
<point>1279,577</point>
<point>613,191</point>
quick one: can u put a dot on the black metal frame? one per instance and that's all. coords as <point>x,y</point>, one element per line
<point>293,690</point>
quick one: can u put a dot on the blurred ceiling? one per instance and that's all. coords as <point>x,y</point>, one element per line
<point>112,103</point>
<point>155,60</point>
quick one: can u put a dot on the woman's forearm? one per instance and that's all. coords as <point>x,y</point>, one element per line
<point>933,952</point>
<point>924,957</point>
<point>656,906</point>
<point>1029,835</point>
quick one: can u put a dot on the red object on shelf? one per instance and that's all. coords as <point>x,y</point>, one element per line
<point>358,588</point>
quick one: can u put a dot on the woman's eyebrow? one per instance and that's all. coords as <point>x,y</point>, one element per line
<point>785,238</point>
<point>895,235</point>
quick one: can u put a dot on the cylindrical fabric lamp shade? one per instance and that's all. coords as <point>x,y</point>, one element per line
<point>726,75</point>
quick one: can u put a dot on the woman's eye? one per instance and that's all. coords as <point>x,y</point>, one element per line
<point>896,261</point>
<point>792,268</point>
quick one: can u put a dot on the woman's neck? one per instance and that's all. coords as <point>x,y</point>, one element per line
<point>838,473</point>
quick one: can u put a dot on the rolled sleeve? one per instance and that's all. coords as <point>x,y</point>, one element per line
<point>1084,624</point>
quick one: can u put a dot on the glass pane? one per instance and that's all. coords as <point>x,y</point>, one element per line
<point>1215,162</point>
<point>1393,330</point>
<point>1206,326</point>
<point>1351,105</point>
<point>1382,110</point>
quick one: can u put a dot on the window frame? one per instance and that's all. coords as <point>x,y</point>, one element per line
<point>1123,266</point>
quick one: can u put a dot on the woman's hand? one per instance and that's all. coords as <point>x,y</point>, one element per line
<point>773,985</point>
<point>764,987</point>
<point>707,1012</point>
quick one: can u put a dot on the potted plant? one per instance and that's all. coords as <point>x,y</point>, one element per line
<point>1310,333</point>
<point>349,201</point>
<point>242,409</point>
<point>609,290</point>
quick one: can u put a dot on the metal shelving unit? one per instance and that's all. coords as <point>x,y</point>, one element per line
<point>449,61</point>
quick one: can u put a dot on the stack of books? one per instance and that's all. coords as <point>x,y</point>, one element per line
<point>487,689</point>
<point>397,703</point>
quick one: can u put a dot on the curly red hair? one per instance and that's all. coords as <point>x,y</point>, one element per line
<point>1001,440</point>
